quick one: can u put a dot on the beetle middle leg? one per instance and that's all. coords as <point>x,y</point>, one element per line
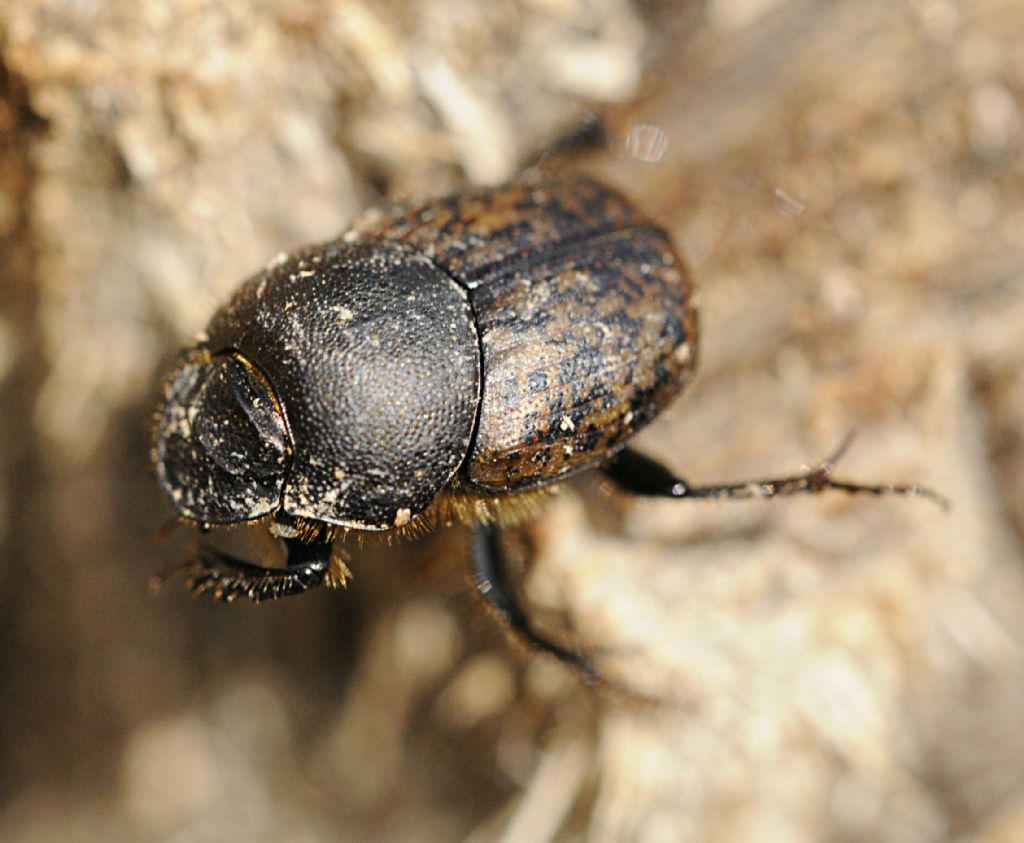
<point>493,582</point>
<point>640,475</point>
<point>227,578</point>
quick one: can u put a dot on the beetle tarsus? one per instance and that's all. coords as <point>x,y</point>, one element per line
<point>227,578</point>
<point>493,583</point>
<point>640,475</point>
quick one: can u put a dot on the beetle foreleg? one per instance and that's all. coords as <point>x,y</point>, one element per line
<point>633,472</point>
<point>228,578</point>
<point>491,576</point>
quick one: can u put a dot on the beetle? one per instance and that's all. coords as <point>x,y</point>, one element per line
<point>453,358</point>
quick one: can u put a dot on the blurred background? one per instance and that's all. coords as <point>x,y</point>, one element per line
<point>846,180</point>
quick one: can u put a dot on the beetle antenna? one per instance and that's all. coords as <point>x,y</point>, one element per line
<point>161,533</point>
<point>156,582</point>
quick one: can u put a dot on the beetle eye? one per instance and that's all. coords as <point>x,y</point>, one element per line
<point>238,421</point>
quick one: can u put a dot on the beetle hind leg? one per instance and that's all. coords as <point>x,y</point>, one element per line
<point>640,475</point>
<point>227,578</point>
<point>493,583</point>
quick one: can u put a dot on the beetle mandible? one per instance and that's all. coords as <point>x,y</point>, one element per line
<point>447,359</point>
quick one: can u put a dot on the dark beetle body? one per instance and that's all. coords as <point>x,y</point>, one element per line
<point>483,344</point>
<point>445,358</point>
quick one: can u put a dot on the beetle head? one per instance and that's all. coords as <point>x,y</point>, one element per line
<point>222,443</point>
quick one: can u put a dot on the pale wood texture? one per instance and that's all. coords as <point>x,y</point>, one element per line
<point>844,179</point>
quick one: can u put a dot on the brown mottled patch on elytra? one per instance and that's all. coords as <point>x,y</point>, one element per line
<point>562,377</point>
<point>475,235</point>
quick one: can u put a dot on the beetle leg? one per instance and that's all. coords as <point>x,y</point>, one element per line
<point>228,578</point>
<point>493,583</point>
<point>633,472</point>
